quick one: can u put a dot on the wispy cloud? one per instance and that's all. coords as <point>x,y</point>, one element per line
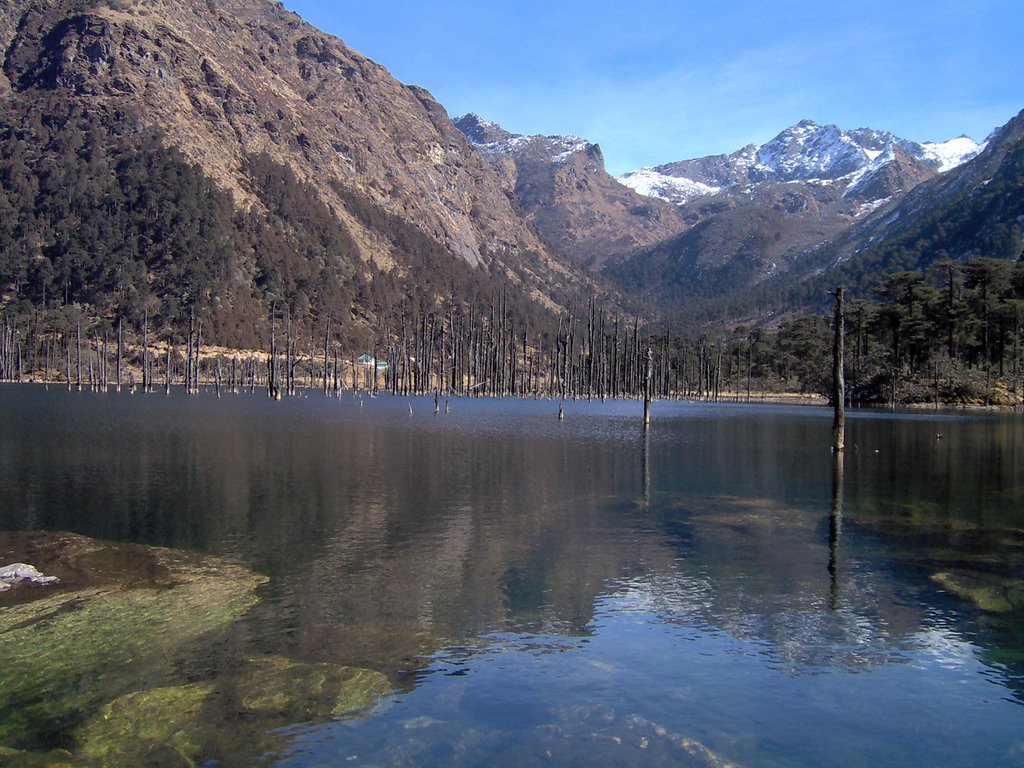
<point>653,81</point>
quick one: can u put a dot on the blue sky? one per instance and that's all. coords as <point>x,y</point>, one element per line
<point>654,81</point>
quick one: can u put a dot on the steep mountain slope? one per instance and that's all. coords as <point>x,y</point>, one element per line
<point>976,209</point>
<point>757,214</point>
<point>562,185</point>
<point>11,12</point>
<point>233,77</point>
<point>257,100</point>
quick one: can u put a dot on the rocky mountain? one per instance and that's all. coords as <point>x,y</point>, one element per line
<point>253,97</point>
<point>577,206</point>
<point>973,210</point>
<point>224,158</point>
<point>805,152</point>
<point>755,215</point>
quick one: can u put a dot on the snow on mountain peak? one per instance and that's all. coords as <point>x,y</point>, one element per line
<point>806,152</point>
<point>947,155</point>
<point>491,138</point>
<point>650,183</point>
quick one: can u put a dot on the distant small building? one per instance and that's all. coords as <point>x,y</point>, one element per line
<point>366,361</point>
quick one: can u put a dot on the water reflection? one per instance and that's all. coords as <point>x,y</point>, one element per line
<point>835,526</point>
<point>517,576</point>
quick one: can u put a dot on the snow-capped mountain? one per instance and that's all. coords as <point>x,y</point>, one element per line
<point>805,152</point>
<point>492,139</point>
<point>562,186</point>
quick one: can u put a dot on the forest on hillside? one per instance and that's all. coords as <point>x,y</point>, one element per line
<point>103,226</point>
<point>106,234</point>
<point>950,336</point>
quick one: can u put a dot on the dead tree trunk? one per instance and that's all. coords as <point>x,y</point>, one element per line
<point>838,380</point>
<point>120,351</point>
<point>78,344</point>
<point>647,388</point>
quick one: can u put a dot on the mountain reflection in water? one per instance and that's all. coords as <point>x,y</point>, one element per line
<point>704,593</point>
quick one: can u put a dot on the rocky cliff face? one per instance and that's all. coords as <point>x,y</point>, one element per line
<point>563,187</point>
<point>229,79</point>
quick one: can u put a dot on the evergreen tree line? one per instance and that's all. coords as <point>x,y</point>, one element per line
<point>101,227</point>
<point>952,335</point>
<point>120,262</point>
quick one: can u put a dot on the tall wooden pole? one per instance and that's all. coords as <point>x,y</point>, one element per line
<point>145,351</point>
<point>647,388</point>
<point>838,380</point>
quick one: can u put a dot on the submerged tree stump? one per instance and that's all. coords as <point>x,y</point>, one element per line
<point>838,379</point>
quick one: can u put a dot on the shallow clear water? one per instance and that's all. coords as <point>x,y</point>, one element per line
<point>574,592</point>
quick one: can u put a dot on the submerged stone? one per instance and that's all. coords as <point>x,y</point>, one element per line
<point>989,593</point>
<point>16,758</point>
<point>155,727</point>
<point>299,692</point>
<point>122,613</point>
<point>238,715</point>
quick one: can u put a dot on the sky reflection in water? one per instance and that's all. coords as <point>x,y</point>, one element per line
<point>555,592</point>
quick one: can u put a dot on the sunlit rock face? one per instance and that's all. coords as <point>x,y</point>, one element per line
<point>577,206</point>
<point>226,80</point>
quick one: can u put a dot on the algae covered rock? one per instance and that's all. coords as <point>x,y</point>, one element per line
<point>16,758</point>
<point>989,593</point>
<point>156,727</point>
<point>234,716</point>
<point>299,692</point>
<point>118,614</point>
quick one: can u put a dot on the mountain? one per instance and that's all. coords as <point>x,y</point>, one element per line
<point>223,158</point>
<point>561,184</point>
<point>362,181</point>
<point>755,215</point>
<point>974,210</point>
<point>805,152</point>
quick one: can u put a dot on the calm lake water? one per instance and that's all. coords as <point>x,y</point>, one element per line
<point>538,592</point>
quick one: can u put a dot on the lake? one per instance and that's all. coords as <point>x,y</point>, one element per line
<point>363,581</point>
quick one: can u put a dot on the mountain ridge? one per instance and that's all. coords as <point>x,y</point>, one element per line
<point>400,210</point>
<point>327,171</point>
<point>203,72</point>
<point>805,151</point>
<point>564,189</point>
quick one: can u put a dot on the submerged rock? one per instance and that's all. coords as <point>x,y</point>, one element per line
<point>298,691</point>
<point>235,716</point>
<point>121,614</point>
<point>16,758</point>
<point>159,727</point>
<point>989,593</point>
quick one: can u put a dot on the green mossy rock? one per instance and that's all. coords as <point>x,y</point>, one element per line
<point>16,758</point>
<point>157,727</point>
<point>234,716</point>
<point>987,592</point>
<point>65,654</point>
<point>299,692</point>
